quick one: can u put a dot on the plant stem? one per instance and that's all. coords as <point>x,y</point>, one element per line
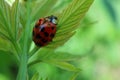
<point>22,73</point>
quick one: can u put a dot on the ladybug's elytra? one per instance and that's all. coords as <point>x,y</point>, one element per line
<point>44,30</point>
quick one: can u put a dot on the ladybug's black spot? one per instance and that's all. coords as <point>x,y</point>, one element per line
<point>33,33</point>
<point>36,26</point>
<point>38,44</point>
<point>44,40</point>
<point>52,28</point>
<point>42,29</point>
<point>38,36</point>
<point>52,35</point>
<point>46,34</point>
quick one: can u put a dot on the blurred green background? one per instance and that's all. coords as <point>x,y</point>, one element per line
<point>97,40</point>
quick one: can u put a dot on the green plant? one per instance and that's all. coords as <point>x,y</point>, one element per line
<point>16,23</point>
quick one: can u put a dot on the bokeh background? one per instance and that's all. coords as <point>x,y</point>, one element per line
<point>97,40</point>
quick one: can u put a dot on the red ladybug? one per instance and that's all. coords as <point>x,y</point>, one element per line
<point>44,30</point>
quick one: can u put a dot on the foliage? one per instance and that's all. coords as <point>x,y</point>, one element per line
<point>16,23</point>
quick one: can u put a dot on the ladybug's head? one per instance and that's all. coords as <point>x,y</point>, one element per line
<point>52,19</point>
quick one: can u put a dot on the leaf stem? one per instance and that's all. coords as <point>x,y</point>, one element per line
<point>34,50</point>
<point>22,74</point>
<point>34,62</point>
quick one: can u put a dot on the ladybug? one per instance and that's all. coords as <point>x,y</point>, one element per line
<point>44,30</point>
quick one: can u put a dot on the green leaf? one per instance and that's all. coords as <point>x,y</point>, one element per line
<point>73,77</point>
<point>69,21</point>
<point>2,25</point>
<point>60,5</point>
<point>46,54</point>
<point>15,18</point>
<point>62,56</point>
<point>6,47</point>
<point>35,76</point>
<point>5,18</point>
<point>5,13</point>
<point>5,52</point>
<point>4,34</point>
<point>59,56</point>
<point>22,12</point>
<point>74,12</point>
<point>4,44</point>
<point>9,24</point>
<point>42,8</point>
<point>60,40</point>
<point>63,65</point>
